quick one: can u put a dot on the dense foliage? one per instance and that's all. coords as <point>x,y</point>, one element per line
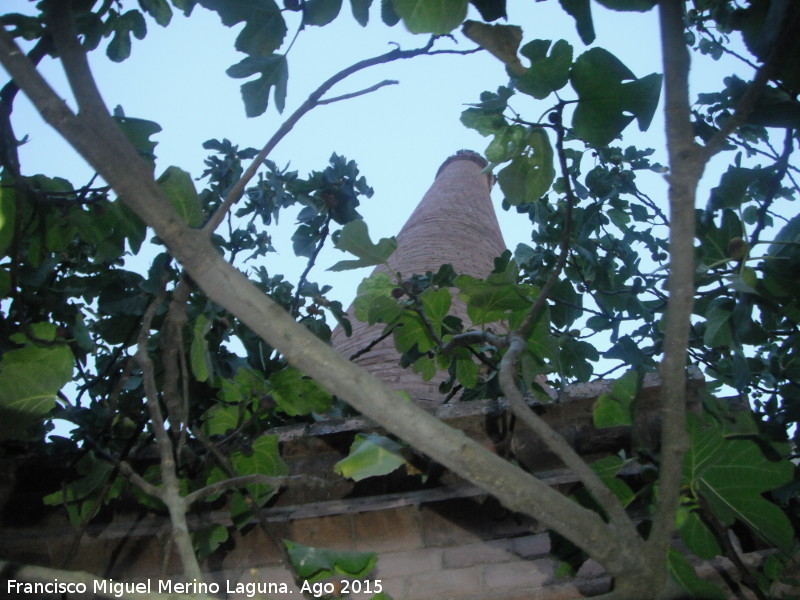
<point>131,357</point>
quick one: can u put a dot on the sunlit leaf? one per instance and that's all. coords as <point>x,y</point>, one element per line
<point>354,238</point>
<point>30,378</point>
<point>732,475</point>
<point>370,455</point>
<point>295,394</point>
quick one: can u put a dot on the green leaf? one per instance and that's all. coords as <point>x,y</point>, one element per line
<point>605,101</point>
<point>546,74</point>
<point>360,10</point>
<point>30,378</point>
<point>374,302</point>
<point>8,212</point>
<point>635,5</point>
<point>731,475</point>
<point>732,188</point>
<point>507,143</point>
<point>274,71</point>
<point>494,299</point>
<point>370,455</point>
<point>320,12</point>
<point>529,177</point>
<point>264,458</point>
<point>314,564</point>
<point>411,331</point>
<point>698,537</point>
<point>264,28</point>
<point>718,330</point>
<point>425,367</point>
<point>354,238</point>
<point>431,16</point>
<point>581,11</point>
<point>205,541</point>
<point>221,418</point>
<point>199,357</point>
<point>122,26</point>
<point>607,469</point>
<point>436,306</point>
<point>138,131</point>
<point>295,394</point>
<point>682,571</point>
<point>484,122</point>
<point>617,407</point>
<point>179,189</point>
<point>467,372</point>
<point>158,9</point>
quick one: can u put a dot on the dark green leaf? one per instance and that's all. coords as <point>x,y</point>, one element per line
<point>530,176</point>
<point>138,131</point>
<point>320,12</point>
<point>546,74</point>
<point>361,11</point>
<point>431,16</point>
<point>158,9</point>
<point>313,564</point>
<point>274,72</point>
<point>682,571</point>
<point>581,11</point>
<point>131,22</point>
<point>635,5</point>
<point>8,211</point>
<point>732,475</point>
<point>264,25</point>
<point>698,537</point>
<point>605,101</point>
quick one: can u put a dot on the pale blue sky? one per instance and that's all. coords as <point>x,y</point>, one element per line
<point>398,135</point>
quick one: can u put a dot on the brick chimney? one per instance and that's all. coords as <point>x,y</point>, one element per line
<point>454,223</point>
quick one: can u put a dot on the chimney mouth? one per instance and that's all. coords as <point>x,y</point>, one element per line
<point>470,155</point>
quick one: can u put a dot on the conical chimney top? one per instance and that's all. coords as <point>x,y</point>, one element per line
<point>454,223</point>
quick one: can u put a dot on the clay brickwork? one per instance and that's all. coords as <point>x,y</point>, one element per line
<point>454,223</point>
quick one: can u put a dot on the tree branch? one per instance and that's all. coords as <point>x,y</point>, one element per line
<point>687,162</point>
<point>368,90</point>
<point>236,483</point>
<point>314,99</point>
<point>170,493</point>
<point>747,103</point>
<point>517,346</point>
<point>111,154</point>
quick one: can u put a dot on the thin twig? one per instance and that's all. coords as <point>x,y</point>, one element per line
<point>518,344</point>
<point>310,103</point>
<point>368,90</point>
